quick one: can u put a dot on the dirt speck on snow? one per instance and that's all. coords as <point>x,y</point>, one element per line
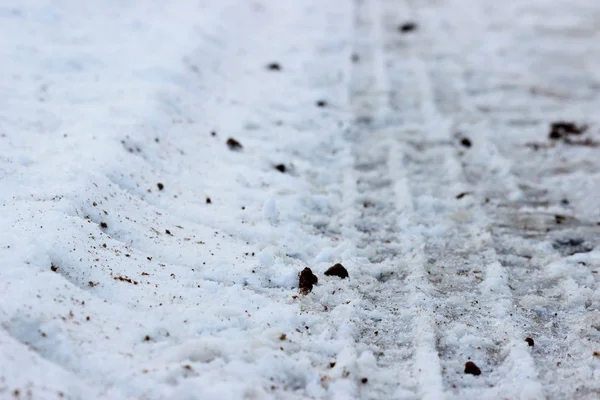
<point>530,341</point>
<point>274,66</point>
<point>461,195</point>
<point>337,270</point>
<point>562,129</point>
<point>234,145</point>
<point>281,168</point>
<point>53,268</point>
<point>321,103</point>
<point>471,368</point>
<point>306,280</point>
<point>103,225</point>
<point>466,142</point>
<point>407,27</point>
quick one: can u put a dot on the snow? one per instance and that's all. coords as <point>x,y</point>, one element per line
<point>144,258</point>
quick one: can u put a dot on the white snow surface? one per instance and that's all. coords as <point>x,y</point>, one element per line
<point>142,257</point>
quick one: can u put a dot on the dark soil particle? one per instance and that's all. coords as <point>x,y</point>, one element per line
<point>407,27</point>
<point>160,186</point>
<point>461,195</point>
<point>306,280</point>
<point>274,66</point>
<point>364,381</point>
<point>125,279</point>
<point>208,200</point>
<point>337,270</point>
<point>281,168</point>
<point>354,58</point>
<point>234,145</point>
<point>213,133</point>
<point>471,368</point>
<point>331,364</point>
<point>530,342</point>
<point>103,225</point>
<point>168,232</point>
<point>321,103</point>
<point>559,219</point>
<point>53,268</point>
<point>562,129</point>
<point>466,142</point>
<point>147,338</point>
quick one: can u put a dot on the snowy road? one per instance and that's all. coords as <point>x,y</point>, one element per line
<point>168,170</point>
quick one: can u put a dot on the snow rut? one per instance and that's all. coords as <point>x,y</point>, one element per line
<point>466,252</point>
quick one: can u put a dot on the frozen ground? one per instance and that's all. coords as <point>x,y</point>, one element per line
<point>120,279</point>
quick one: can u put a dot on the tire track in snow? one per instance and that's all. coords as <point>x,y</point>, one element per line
<point>553,293</point>
<point>471,324</point>
<point>403,327</point>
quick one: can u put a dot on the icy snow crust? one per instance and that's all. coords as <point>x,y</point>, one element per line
<point>115,287</point>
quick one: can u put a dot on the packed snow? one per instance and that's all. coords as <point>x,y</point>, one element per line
<point>170,170</point>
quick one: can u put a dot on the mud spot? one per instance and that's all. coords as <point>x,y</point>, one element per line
<point>125,279</point>
<point>471,368</point>
<point>561,129</point>
<point>281,168</point>
<point>354,58</point>
<point>274,66</point>
<point>234,145</point>
<point>559,219</point>
<point>364,381</point>
<point>306,280</point>
<point>407,27</point>
<point>463,194</point>
<point>160,186</point>
<point>103,225</point>
<point>337,270</point>
<point>530,342</point>
<point>53,268</point>
<point>321,103</point>
<point>208,200</point>
<point>466,142</point>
